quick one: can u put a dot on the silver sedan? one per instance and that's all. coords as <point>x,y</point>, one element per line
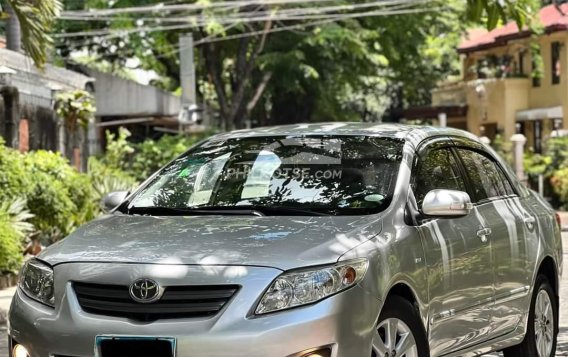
<point>327,240</point>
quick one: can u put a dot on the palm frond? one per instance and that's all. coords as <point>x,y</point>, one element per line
<point>36,20</point>
<point>18,216</point>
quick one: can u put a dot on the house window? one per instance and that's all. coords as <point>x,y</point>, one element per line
<point>535,75</point>
<point>521,70</point>
<point>556,67</point>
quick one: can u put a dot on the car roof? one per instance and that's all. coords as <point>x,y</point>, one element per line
<point>410,133</point>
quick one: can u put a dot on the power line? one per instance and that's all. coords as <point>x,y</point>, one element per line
<point>334,19</point>
<point>299,14</point>
<point>280,12</point>
<point>306,25</point>
<point>183,7</point>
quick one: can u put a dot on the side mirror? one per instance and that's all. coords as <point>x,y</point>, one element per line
<point>113,199</point>
<point>446,203</point>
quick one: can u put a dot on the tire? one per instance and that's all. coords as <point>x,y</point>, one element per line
<point>542,293</point>
<point>410,340</point>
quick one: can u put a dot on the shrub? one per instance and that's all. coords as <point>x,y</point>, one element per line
<point>552,164</point>
<point>106,179</point>
<point>18,216</point>
<point>139,161</point>
<point>72,190</point>
<point>10,248</point>
<point>14,180</point>
<point>151,155</point>
<point>59,196</point>
<point>117,150</point>
<point>559,181</point>
<point>13,228</point>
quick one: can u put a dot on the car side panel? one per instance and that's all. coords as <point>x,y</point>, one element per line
<point>460,276</point>
<point>549,232</point>
<point>514,246</point>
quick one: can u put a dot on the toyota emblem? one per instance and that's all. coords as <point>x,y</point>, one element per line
<point>145,291</point>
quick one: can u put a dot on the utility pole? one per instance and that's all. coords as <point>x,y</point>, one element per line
<point>187,80</point>
<point>187,70</point>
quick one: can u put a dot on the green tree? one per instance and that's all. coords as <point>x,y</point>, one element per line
<point>350,68</point>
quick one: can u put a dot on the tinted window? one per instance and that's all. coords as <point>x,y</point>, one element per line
<point>335,175</point>
<point>488,181</point>
<point>508,190</point>
<point>437,170</point>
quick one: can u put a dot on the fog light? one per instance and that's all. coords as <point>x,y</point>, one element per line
<point>20,351</point>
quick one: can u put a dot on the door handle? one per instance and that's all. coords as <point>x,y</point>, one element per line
<point>483,233</point>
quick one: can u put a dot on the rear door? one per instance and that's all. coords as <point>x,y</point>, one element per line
<point>512,229</point>
<point>459,261</point>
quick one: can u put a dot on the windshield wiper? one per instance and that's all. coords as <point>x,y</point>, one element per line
<point>224,210</point>
<point>284,211</point>
<point>168,211</point>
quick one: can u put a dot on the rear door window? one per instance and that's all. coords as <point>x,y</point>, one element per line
<point>487,179</point>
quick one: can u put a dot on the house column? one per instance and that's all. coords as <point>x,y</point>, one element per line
<point>11,97</point>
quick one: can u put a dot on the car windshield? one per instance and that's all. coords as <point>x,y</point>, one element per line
<point>335,175</point>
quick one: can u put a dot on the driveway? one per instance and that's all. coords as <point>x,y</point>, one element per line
<point>562,349</point>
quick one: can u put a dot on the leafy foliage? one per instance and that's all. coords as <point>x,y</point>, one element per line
<point>14,181</point>
<point>75,107</point>
<point>106,179</point>
<point>151,155</point>
<point>559,182</point>
<point>136,162</point>
<point>14,226</point>
<point>494,11</point>
<point>118,149</point>
<point>10,247</point>
<point>18,216</point>
<point>552,164</point>
<point>60,196</point>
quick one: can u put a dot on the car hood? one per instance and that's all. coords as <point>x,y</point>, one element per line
<point>279,242</point>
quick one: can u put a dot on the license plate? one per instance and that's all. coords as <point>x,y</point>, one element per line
<point>130,346</point>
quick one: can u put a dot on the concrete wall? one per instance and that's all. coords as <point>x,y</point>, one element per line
<point>117,97</point>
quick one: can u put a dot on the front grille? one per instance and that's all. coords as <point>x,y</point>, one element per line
<point>176,302</point>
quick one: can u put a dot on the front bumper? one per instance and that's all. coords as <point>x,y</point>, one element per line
<point>345,321</point>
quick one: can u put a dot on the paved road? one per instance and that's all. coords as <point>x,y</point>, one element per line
<point>562,349</point>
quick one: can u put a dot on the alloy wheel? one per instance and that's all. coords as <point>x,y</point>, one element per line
<point>543,324</point>
<point>394,338</point>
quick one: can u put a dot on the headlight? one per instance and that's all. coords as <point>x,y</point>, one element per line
<point>304,287</point>
<point>36,281</point>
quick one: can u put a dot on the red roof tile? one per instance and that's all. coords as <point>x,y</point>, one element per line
<point>550,17</point>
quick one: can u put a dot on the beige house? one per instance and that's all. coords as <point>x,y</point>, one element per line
<point>498,93</point>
